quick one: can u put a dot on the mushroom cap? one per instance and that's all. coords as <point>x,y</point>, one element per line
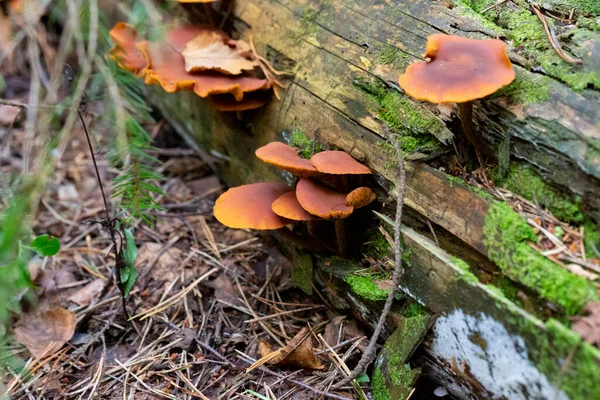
<point>338,163</point>
<point>286,158</point>
<point>166,68</point>
<point>460,70</point>
<point>360,197</point>
<point>249,206</point>
<point>125,52</point>
<point>287,206</point>
<point>226,102</point>
<point>320,200</point>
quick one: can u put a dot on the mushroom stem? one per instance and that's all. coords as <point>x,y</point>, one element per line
<point>465,113</point>
<point>341,234</point>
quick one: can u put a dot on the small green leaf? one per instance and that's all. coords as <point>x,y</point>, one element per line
<point>45,245</point>
<point>128,276</point>
<point>362,378</point>
<point>130,248</point>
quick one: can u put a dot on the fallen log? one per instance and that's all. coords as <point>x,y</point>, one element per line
<point>502,327</point>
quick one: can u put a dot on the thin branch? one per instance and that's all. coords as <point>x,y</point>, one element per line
<point>369,352</point>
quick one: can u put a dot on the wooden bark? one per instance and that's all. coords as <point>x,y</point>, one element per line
<point>335,46</point>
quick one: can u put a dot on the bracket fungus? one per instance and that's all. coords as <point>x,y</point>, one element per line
<point>217,65</point>
<point>459,70</point>
<point>249,206</point>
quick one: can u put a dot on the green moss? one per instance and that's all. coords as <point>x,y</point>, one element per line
<point>379,386</point>
<point>579,378</point>
<point>526,31</point>
<point>376,245</point>
<point>506,234</point>
<point>466,274</point>
<point>591,238</point>
<point>416,127</point>
<point>304,144</point>
<point>366,288</point>
<point>526,90</point>
<point>591,24</point>
<point>392,56</point>
<point>525,182</point>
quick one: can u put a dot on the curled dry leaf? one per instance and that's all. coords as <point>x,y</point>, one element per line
<point>589,326</point>
<point>209,51</point>
<point>299,352</point>
<point>89,292</point>
<point>45,332</point>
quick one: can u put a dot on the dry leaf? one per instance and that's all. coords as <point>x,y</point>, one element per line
<point>89,292</point>
<point>208,51</point>
<point>332,331</point>
<point>225,290</point>
<point>166,267</point>
<point>299,352</point>
<point>44,333</point>
<point>8,113</point>
<point>589,326</point>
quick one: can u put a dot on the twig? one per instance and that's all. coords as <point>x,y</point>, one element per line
<point>367,356</point>
<point>552,37</point>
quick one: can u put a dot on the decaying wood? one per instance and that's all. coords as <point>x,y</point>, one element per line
<point>330,46</point>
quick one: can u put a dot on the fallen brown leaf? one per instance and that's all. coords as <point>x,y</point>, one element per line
<point>225,290</point>
<point>89,292</point>
<point>8,114</point>
<point>166,267</point>
<point>589,326</point>
<point>299,352</point>
<point>210,51</point>
<point>44,333</point>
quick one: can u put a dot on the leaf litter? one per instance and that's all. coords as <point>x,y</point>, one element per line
<point>206,301</point>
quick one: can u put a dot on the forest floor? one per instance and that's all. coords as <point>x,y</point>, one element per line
<point>208,301</point>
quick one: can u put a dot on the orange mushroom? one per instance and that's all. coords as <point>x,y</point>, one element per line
<point>322,201</point>
<point>287,206</point>
<point>459,70</point>
<point>226,102</point>
<point>338,163</point>
<point>166,68</point>
<point>286,158</point>
<point>125,52</point>
<point>249,206</point>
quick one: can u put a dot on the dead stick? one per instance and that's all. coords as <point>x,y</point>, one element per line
<point>367,356</point>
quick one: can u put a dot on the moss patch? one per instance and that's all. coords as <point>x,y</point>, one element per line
<point>534,89</point>
<point>366,288</point>
<point>527,33</point>
<point>506,234</point>
<point>591,238</point>
<point>304,144</point>
<point>379,386</point>
<point>376,245</point>
<point>417,128</point>
<point>466,274</point>
<point>578,381</point>
<point>525,182</point>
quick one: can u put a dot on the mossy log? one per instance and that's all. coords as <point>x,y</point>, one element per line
<point>506,338</point>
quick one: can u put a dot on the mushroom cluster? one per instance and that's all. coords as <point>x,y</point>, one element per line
<point>197,58</point>
<point>323,192</point>
<point>460,70</point>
